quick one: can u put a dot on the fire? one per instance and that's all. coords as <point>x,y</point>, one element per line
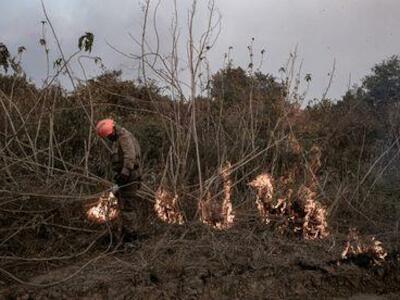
<point>105,210</point>
<point>302,214</point>
<point>356,246</point>
<point>212,212</point>
<point>166,207</point>
<point>314,219</point>
<point>264,197</point>
<point>271,205</point>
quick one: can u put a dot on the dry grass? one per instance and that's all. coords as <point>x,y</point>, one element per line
<point>356,246</point>
<point>300,213</point>
<point>215,212</point>
<point>104,210</point>
<point>166,207</point>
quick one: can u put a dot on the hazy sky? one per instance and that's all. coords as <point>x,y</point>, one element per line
<point>357,33</point>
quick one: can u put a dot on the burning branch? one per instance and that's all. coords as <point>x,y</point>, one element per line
<point>314,223</point>
<point>212,212</point>
<point>227,209</point>
<point>166,207</point>
<point>303,214</point>
<point>105,210</point>
<point>264,197</point>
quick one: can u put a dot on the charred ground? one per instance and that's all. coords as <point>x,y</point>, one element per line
<point>195,262</point>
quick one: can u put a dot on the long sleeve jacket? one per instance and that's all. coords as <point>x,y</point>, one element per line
<point>125,152</point>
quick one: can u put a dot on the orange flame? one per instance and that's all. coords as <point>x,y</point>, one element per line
<point>212,212</point>
<point>264,197</point>
<point>355,246</point>
<point>105,210</point>
<point>303,215</point>
<point>314,220</point>
<point>166,207</point>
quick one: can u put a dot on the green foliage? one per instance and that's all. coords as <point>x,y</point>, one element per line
<point>86,42</point>
<point>383,85</point>
<point>57,63</point>
<point>234,85</point>
<point>4,57</point>
<point>21,49</point>
<point>7,60</point>
<point>347,130</point>
<point>151,136</point>
<point>230,85</point>
<point>382,91</point>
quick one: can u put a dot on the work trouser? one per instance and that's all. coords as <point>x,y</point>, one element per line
<point>134,211</point>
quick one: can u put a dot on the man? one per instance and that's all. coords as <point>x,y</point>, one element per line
<point>125,158</point>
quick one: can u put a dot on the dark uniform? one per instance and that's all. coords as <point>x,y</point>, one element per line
<point>125,160</point>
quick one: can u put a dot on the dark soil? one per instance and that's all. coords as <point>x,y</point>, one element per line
<point>197,263</point>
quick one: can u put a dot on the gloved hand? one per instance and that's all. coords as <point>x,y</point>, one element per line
<point>114,188</point>
<point>123,177</point>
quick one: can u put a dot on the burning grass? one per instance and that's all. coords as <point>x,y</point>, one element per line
<point>166,207</point>
<point>263,184</point>
<point>357,247</point>
<point>301,214</point>
<point>105,210</point>
<point>214,212</point>
<point>312,214</point>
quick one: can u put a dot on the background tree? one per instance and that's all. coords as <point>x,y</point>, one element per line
<point>382,91</point>
<point>383,85</point>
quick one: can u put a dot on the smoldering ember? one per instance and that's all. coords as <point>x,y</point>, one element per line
<point>163,149</point>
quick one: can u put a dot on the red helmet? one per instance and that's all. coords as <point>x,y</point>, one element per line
<point>105,127</point>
